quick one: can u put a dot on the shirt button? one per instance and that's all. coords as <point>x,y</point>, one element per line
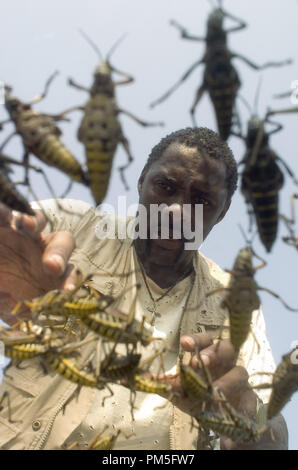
<point>36,425</point>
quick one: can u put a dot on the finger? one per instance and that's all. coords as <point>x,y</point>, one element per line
<point>5,215</point>
<point>31,224</point>
<point>195,342</point>
<point>72,277</point>
<point>233,384</point>
<point>227,444</point>
<point>219,358</point>
<point>59,247</point>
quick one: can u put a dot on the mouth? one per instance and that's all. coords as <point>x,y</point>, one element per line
<point>169,243</point>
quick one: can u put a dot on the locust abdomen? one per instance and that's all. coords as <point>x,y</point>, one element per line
<point>54,153</point>
<point>100,132</point>
<point>11,197</point>
<point>260,185</point>
<point>222,82</point>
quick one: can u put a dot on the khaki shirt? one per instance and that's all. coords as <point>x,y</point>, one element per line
<point>47,411</point>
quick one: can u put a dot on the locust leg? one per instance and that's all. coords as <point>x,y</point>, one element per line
<point>121,169</point>
<point>139,121</point>
<point>77,86</point>
<point>73,445</point>
<point>288,169</point>
<point>287,94</point>
<point>108,396</point>
<point>61,116</point>
<point>174,87</point>
<point>98,435</point>
<point>3,123</point>
<point>6,396</point>
<point>66,191</point>
<point>7,140</point>
<point>199,95</point>
<point>38,98</point>
<point>184,33</point>
<point>277,297</point>
<point>128,78</point>
<point>241,23</point>
<point>283,111</point>
<point>215,291</point>
<point>261,67</point>
<point>278,127</point>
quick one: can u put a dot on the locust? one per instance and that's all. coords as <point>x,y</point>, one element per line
<point>262,178</point>
<point>40,135</point>
<point>101,443</point>
<point>65,303</point>
<point>193,385</point>
<point>220,78</point>
<point>120,328</point>
<point>115,367</point>
<point>291,240</point>
<point>230,423</point>
<point>241,297</point>
<point>284,383</point>
<point>100,130</point>
<point>9,194</point>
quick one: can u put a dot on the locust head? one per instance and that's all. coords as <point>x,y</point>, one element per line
<point>243,263</point>
<point>13,104</point>
<point>103,82</point>
<point>215,30</point>
<point>253,128</point>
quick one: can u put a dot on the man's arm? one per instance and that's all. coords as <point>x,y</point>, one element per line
<point>30,260</point>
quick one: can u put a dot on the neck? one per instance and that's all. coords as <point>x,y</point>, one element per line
<point>167,274</point>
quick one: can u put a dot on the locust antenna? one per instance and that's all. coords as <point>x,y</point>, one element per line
<point>247,240</point>
<point>114,47</point>
<point>211,2</point>
<point>91,43</point>
<point>246,103</point>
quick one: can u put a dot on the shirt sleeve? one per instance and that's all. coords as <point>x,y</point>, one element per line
<point>257,358</point>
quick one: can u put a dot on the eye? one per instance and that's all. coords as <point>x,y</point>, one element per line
<point>200,199</point>
<point>166,186</point>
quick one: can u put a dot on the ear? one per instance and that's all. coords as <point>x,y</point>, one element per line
<point>141,180</point>
<point>224,211</point>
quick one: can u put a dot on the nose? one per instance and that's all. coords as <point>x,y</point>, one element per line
<point>174,214</point>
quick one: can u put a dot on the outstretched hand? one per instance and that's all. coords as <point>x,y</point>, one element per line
<point>232,380</point>
<point>31,263</point>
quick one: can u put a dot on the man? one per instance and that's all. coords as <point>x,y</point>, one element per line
<point>191,166</point>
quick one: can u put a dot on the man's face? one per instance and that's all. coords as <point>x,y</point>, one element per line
<point>181,176</point>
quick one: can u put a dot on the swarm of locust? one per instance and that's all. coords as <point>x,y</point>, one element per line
<point>216,413</point>
<point>59,312</point>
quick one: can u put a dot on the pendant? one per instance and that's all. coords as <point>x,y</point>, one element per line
<point>153,310</point>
